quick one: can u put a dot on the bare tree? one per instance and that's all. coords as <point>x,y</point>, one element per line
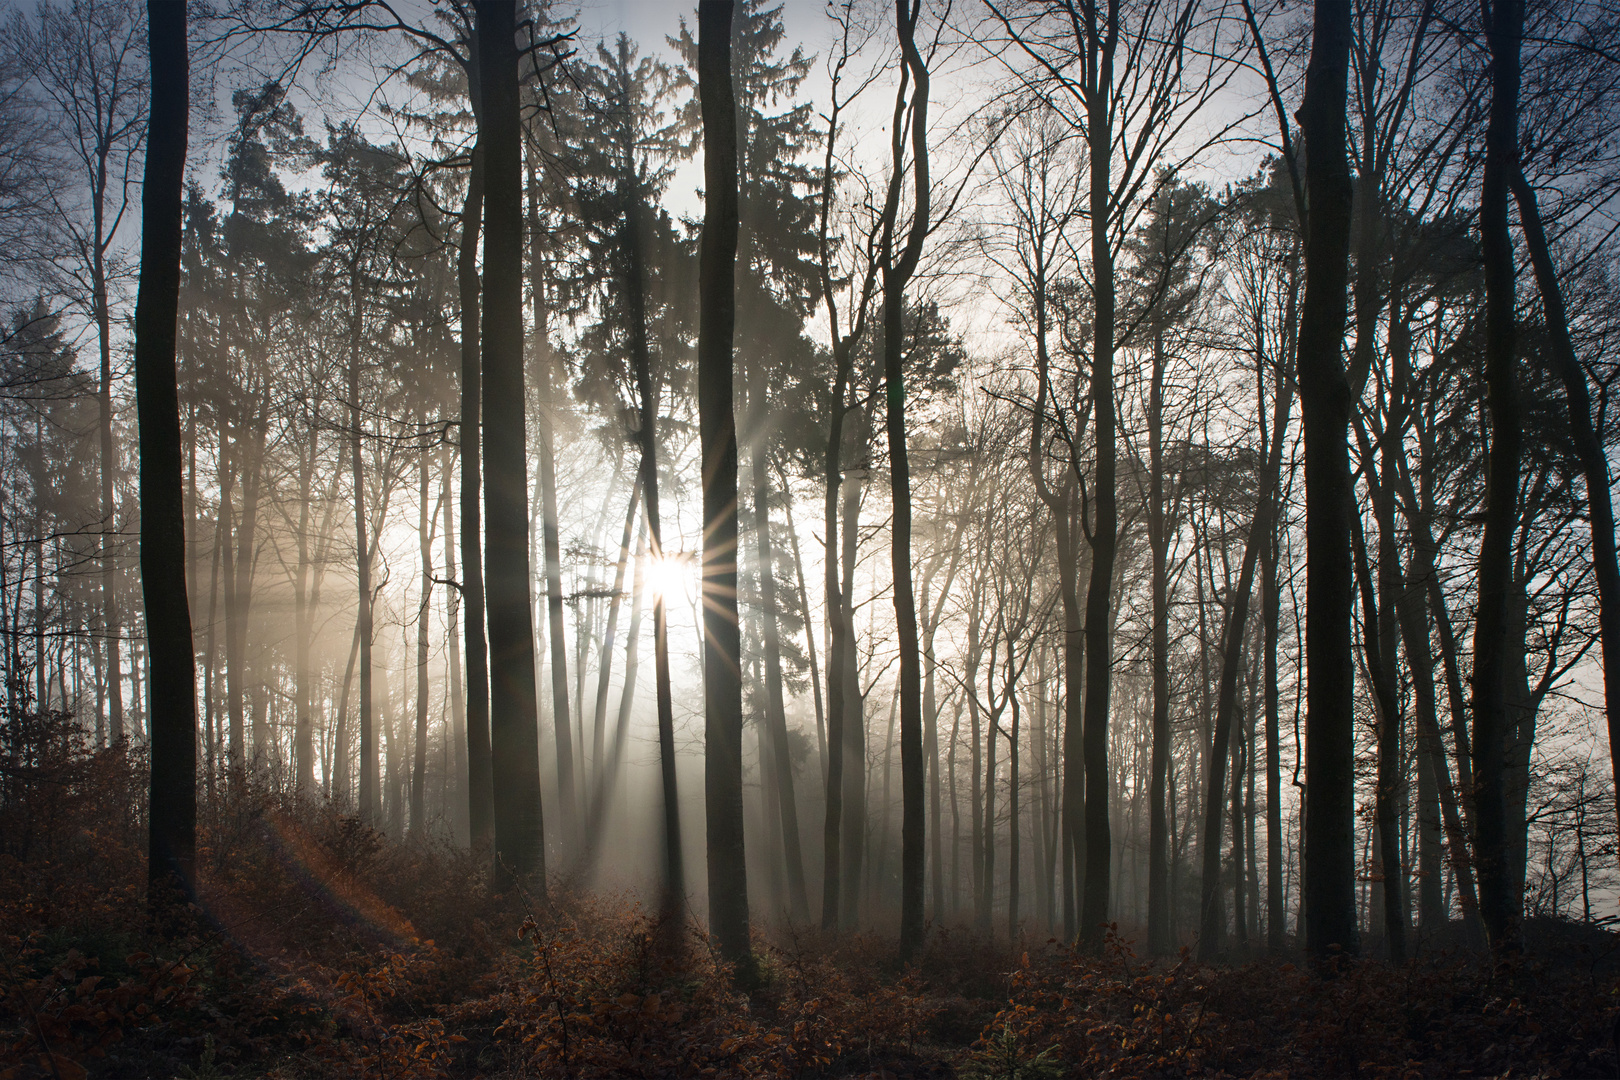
<point>173,807</point>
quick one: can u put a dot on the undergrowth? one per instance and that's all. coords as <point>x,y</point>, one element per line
<point>320,948</point>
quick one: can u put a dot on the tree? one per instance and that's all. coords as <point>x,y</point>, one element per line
<point>643,267</point>
<point>172,838</point>
<point>514,740</point>
<point>777,285</point>
<point>1325,405</point>
<point>722,646</point>
<point>899,263</point>
<point>1500,902</point>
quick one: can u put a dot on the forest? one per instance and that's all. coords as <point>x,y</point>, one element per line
<point>809,538</point>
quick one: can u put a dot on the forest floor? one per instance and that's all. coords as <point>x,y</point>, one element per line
<point>320,948</point>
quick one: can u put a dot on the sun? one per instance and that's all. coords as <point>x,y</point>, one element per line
<point>671,574</point>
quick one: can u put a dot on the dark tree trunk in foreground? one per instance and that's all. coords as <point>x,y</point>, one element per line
<point>1493,711</point>
<point>1325,404</point>
<point>1588,450</point>
<point>172,833</point>
<point>1105,525</point>
<point>717,317</point>
<point>514,741</point>
<point>897,272</point>
<point>480,797</point>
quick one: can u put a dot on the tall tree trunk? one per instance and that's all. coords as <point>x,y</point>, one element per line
<point>303,632</point>
<point>852,846</point>
<point>647,434</point>
<point>1105,525</point>
<point>1389,886</point>
<point>369,796</point>
<point>457,781</point>
<point>1325,405</point>
<point>936,876</point>
<point>1589,451</point>
<point>1014,837</point>
<point>424,614</point>
<point>1240,915</point>
<point>1432,752</point>
<point>1061,502</point>
<point>480,781</point>
<point>987,898</point>
<point>514,740</point>
<point>832,855</point>
<point>172,831</point>
<point>111,626</point>
<point>897,272</point>
<point>1160,939</point>
<point>717,317</point>
<point>1493,717</point>
<point>246,559</point>
<point>1212,920</point>
<point>1271,613</point>
<point>775,707</point>
<point>551,540</point>
<point>976,796</point>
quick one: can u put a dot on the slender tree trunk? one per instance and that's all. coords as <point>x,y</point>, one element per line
<point>717,316</point>
<point>514,740</point>
<point>1276,906</point>
<point>1212,920</point>
<point>112,628</point>
<point>809,632</point>
<point>837,637</point>
<point>1094,907</point>
<point>1160,939</point>
<point>775,707</point>
<point>603,796</point>
<point>897,272</point>
<point>975,772</point>
<point>604,666</point>
<point>853,843</point>
<point>936,877</point>
<point>424,614</point>
<point>1240,915</point>
<point>342,784</point>
<point>1014,837</point>
<point>1325,405</point>
<point>1391,796</point>
<point>303,632</point>
<point>480,789</point>
<point>647,435</point>
<point>987,898</point>
<point>551,541</point>
<point>1390,898</point>
<point>1432,754</point>
<point>370,808</point>
<point>172,832</point>
<point>1493,716</point>
<point>456,749</point>
<point>955,897</point>
<point>246,559</point>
